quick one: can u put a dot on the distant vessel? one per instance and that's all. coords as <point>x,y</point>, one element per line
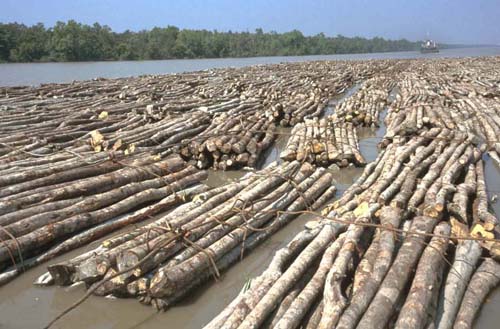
<point>429,46</point>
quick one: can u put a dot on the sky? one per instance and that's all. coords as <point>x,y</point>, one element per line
<point>446,21</point>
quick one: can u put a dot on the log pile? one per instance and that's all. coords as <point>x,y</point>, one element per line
<point>461,98</point>
<point>323,142</point>
<point>233,140</point>
<point>411,244</point>
<point>365,106</point>
<point>80,135</point>
<point>69,205</point>
<point>158,112</point>
<point>298,109</point>
<point>352,268</point>
<point>199,239</point>
<point>56,137</point>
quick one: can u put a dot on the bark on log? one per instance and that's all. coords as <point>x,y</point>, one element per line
<point>484,280</point>
<point>413,314</point>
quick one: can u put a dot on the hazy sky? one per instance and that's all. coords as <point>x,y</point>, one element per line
<point>447,21</point>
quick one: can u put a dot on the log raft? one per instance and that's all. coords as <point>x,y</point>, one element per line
<point>411,243</point>
<point>348,298</point>
<point>218,227</point>
<point>323,142</point>
<point>428,183</point>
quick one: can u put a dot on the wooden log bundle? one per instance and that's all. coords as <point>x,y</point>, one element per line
<point>323,142</point>
<point>349,269</point>
<point>70,208</point>
<point>156,113</point>
<point>298,108</point>
<point>364,107</point>
<point>200,238</point>
<point>111,132</point>
<point>233,140</point>
<point>464,103</point>
<point>64,145</point>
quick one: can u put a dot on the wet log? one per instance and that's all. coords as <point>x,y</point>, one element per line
<point>484,280</point>
<point>167,280</point>
<point>96,184</point>
<point>234,313</point>
<point>99,231</point>
<point>323,142</point>
<point>267,303</point>
<point>466,257</point>
<point>414,312</point>
<point>46,235</point>
<point>302,302</point>
<point>390,217</point>
<point>384,302</point>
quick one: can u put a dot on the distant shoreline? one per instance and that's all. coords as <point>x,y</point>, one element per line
<point>208,58</point>
<point>33,74</point>
<point>451,47</point>
<point>74,42</point>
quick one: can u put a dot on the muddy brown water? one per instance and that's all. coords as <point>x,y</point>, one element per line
<point>24,306</point>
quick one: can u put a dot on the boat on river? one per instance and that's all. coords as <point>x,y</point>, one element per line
<point>429,46</point>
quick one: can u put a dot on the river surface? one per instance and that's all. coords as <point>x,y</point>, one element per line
<point>24,306</point>
<point>14,74</point>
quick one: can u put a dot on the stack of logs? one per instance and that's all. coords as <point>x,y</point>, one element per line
<point>161,111</point>
<point>411,244</point>
<point>163,261</point>
<point>426,100</point>
<point>233,140</point>
<point>366,105</point>
<point>323,142</point>
<point>292,113</point>
<point>78,135</point>
<point>71,203</point>
<point>63,146</point>
<point>353,267</point>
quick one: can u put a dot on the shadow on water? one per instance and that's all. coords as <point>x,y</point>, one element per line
<point>332,103</point>
<point>488,315</point>
<point>273,153</point>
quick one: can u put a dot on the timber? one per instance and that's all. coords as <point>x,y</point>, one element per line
<point>428,183</point>
<point>412,243</point>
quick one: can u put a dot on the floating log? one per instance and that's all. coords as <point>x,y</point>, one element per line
<point>219,225</point>
<point>484,280</point>
<point>324,142</point>
<point>349,298</point>
<point>89,215</point>
<point>368,102</point>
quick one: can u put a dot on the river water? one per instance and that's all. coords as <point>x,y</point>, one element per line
<point>13,74</point>
<point>24,306</point>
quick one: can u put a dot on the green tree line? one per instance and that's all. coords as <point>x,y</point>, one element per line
<point>73,41</point>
